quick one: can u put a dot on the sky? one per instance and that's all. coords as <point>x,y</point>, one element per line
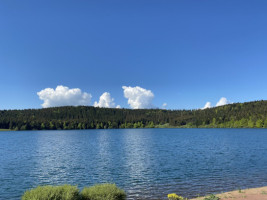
<point>182,54</point>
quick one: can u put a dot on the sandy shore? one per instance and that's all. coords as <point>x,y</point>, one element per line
<point>248,194</point>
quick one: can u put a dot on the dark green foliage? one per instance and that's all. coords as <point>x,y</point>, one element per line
<point>64,192</point>
<point>211,197</point>
<point>103,192</point>
<point>238,115</point>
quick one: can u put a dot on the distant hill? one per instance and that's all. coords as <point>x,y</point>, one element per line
<point>237,115</point>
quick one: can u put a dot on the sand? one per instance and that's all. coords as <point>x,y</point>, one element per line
<point>248,194</point>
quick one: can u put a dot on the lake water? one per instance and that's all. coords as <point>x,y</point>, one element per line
<point>146,163</point>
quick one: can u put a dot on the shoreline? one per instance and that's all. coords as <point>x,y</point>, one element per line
<point>178,127</point>
<point>259,193</point>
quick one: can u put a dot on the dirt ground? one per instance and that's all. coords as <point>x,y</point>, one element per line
<point>248,194</point>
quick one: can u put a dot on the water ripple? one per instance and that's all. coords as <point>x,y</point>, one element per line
<point>147,163</point>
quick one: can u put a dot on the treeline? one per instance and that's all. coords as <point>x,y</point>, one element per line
<point>238,115</point>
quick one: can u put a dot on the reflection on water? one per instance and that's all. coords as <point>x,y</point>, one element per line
<point>103,161</point>
<point>137,161</point>
<point>53,154</point>
<point>147,163</point>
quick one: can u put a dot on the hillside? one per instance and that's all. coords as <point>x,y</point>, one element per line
<point>238,115</point>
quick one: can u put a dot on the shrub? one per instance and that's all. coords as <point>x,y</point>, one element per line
<point>103,192</point>
<point>212,197</point>
<point>174,196</point>
<point>64,192</point>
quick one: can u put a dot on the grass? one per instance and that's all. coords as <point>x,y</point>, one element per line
<point>64,192</point>
<point>5,129</point>
<point>211,197</point>
<point>103,192</point>
<point>69,192</point>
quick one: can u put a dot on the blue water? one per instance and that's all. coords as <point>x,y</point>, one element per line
<point>146,163</point>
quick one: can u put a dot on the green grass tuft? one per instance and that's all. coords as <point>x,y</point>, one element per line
<point>64,192</point>
<point>212,197</point>
<point>103,192</point>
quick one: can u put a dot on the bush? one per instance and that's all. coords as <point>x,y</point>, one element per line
<point>174,196</point>
<point>64,192</point>
<point>212,197</point>
<point>103,192</point>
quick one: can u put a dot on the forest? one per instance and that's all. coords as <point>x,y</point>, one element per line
<point>237,115</point>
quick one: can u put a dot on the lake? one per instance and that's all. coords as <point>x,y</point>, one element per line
<point>146,163</point>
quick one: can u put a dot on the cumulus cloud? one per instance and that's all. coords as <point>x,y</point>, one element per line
<point>207,105</point>
<point>223,101</point>
<point>138,97</point>
<point>63,96</point>
<point>164,105</point>
<point>106,101</point>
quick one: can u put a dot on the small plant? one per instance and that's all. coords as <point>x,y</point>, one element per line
<point>64,192</point>
<point>174,196</point>
<point>211,197</point>
<point>239,190</point>
<point>103,192</point>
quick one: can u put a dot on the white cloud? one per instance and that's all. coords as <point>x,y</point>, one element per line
<point>138,97</point>
<point>164,105</point>
<point>63,96</point>
<point>106,101</point>
<point>207,105</point>
<point>223,101</point>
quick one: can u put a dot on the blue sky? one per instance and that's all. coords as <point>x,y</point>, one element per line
<point>186,53</point>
